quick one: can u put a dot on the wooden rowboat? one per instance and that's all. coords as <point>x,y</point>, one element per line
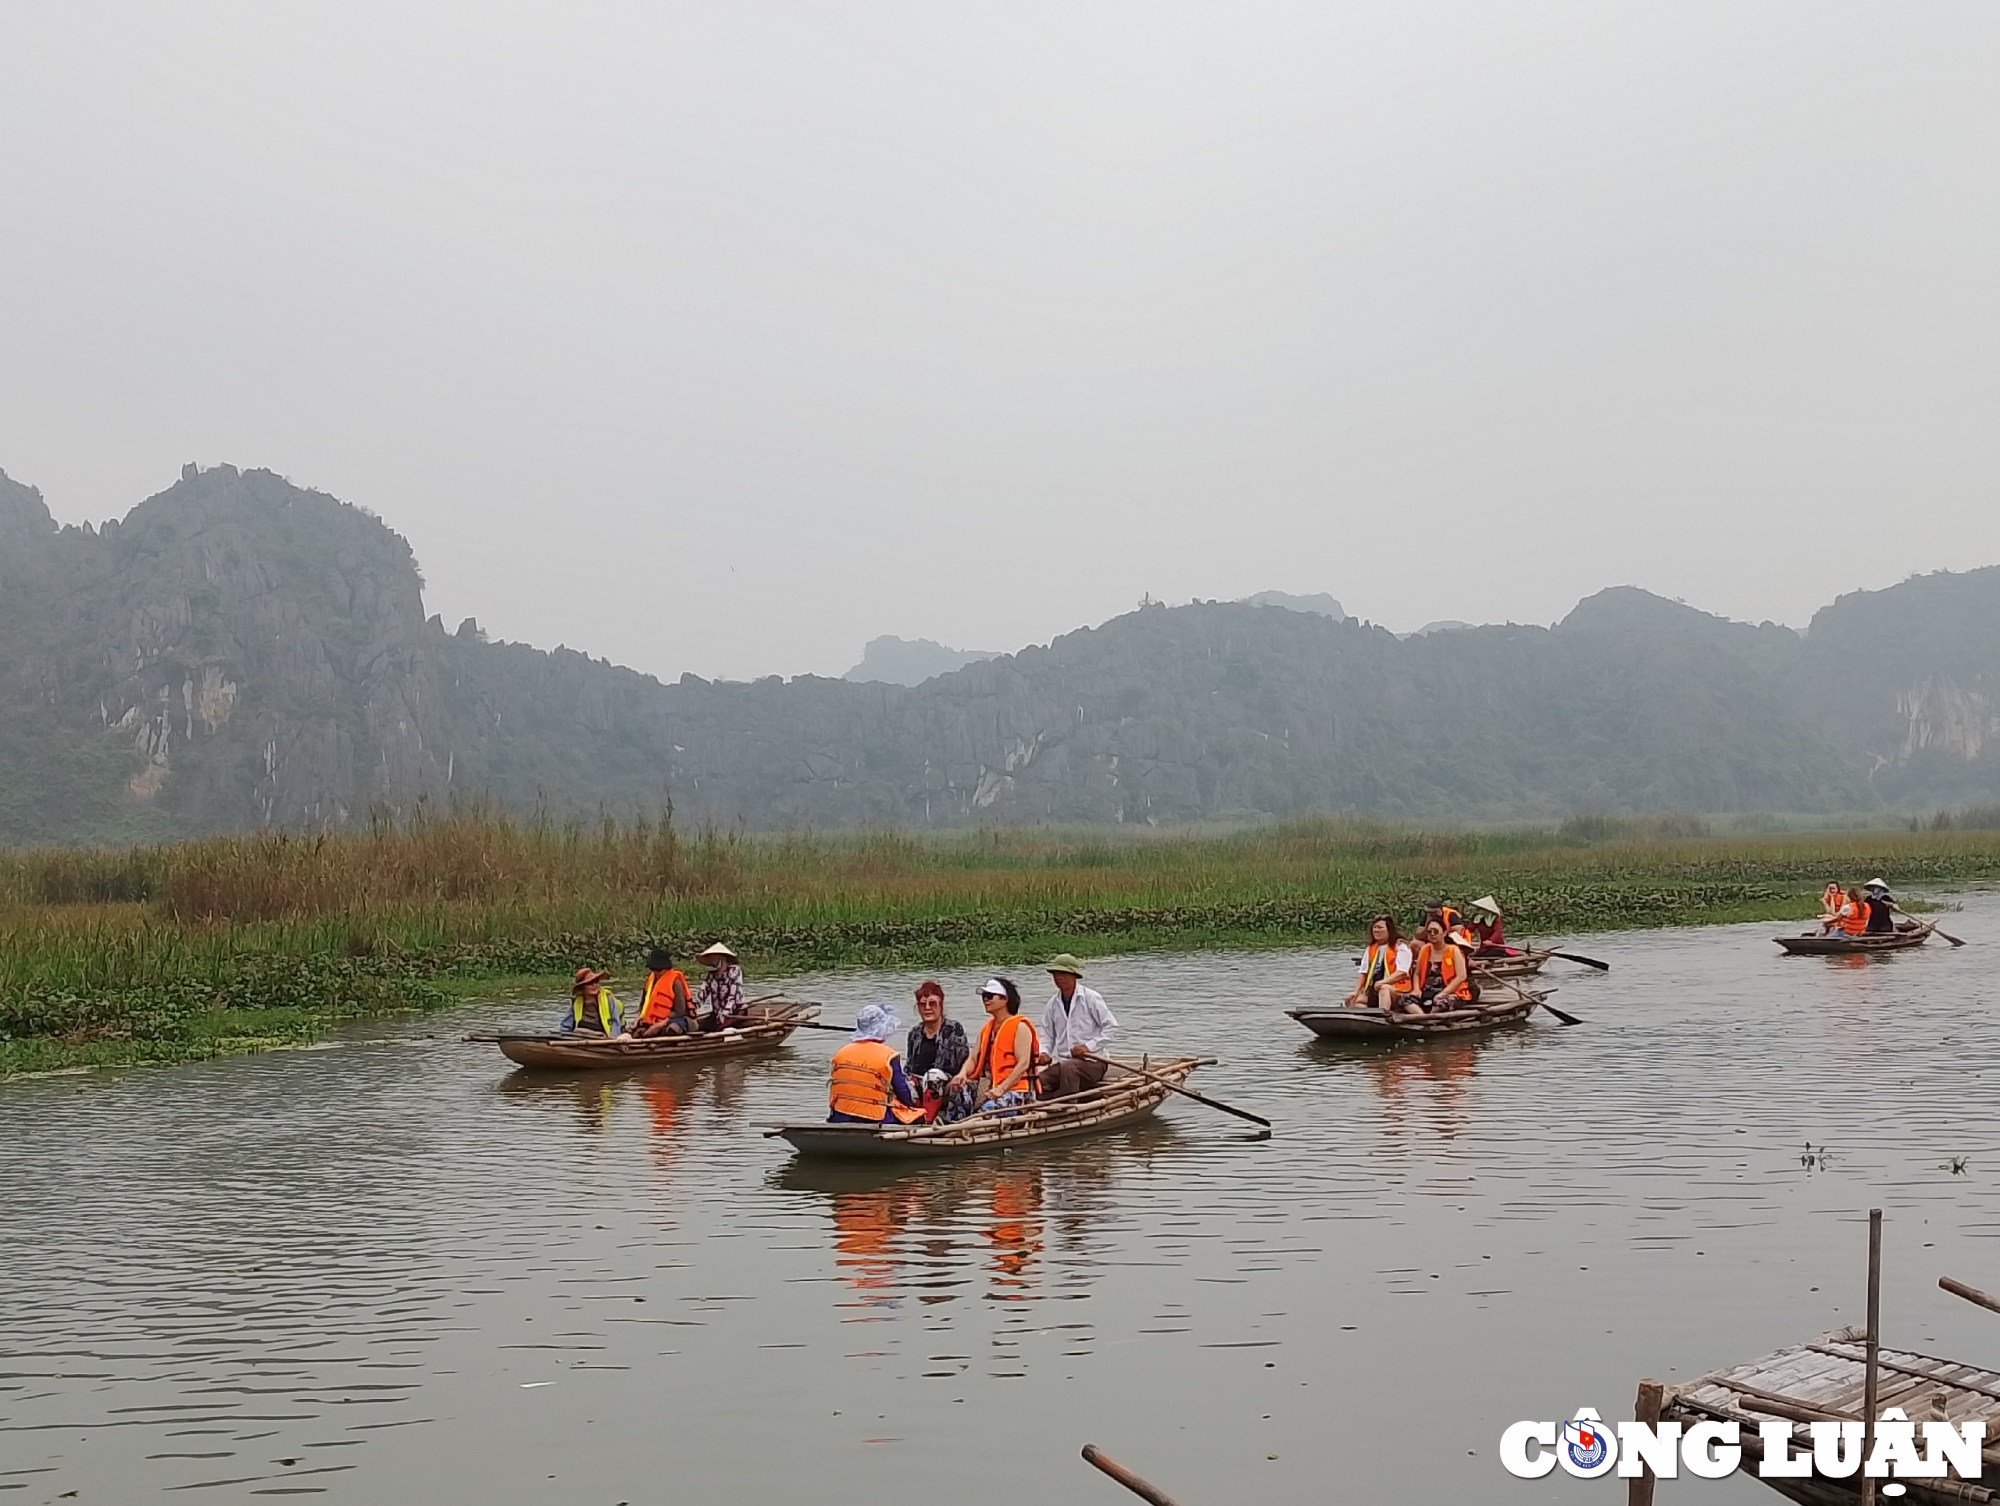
<point>1847,946</point>
<point>1526,965</point>
<point>1120,1100</point>
<point>765,1027</point>
<point>1337,1022</point>
<point>1521,965</point>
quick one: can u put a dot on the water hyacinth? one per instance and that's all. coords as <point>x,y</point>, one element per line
<point>228,943</point>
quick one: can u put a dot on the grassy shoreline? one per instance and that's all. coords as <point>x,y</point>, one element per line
<point>242,944</point>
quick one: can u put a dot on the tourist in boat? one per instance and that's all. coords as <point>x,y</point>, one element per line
<point>719,1004</point>
<point>867,1084</point>
<point>1848,915</point>
<point>1075,1024</point>
<point>593,1008</point>
<point>1442,975</point>
<point>1881,908</point>
<point>936,1049</point>
<point>1002,1067</point>
<point>1488,929</point>
<point>665,1006</point>
<point>1830,900</point>
<point>1385,970</point>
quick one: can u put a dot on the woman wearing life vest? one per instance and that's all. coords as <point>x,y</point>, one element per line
<point>866,1084</point>
<point>1851,915</point>
<point>1442,976</point>
<point>593,1010</point>
<point>665,1007</point>
<point>1003,1060</point>
<point>1385,971</point>
<point>1830,900</point>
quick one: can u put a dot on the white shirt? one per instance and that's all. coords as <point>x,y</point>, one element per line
<point>1085,1023</point>
<point>1400,963</point>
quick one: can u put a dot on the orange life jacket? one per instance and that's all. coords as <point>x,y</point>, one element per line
<point>1832,899</point>
<point>1385,952</point>
<point>997,1054</point>
<point>658,1002</point>
<point>861,1083</point>
<point>1451,970</point>
<point>1853,917</point>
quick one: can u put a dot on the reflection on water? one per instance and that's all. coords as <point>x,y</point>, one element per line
<point>402,1270</point>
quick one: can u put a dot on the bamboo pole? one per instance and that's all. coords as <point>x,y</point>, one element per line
<point>1140,1488</point>
<point>1971,1293</point>
<point>1646,1410</point>
<point>1871,1380</point>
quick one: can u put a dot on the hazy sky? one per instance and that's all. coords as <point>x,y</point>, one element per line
<point>724,337</point>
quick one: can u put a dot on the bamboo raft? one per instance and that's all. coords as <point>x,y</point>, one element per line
<point>1846,946</point>
<point>765,1027</point>
<point>1825,1380</point>
<point>1338,1022</point>
<point>1117,1102</point>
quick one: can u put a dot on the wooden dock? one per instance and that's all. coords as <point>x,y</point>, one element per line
<point>1826,1379</point>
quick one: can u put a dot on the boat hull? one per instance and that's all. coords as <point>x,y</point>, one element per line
<point>1339,1023</point>
<point>1851,946</point>
<point>767,1028</point>
<point>1045,1123</point>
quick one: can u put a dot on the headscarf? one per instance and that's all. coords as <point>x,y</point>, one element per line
<point>875,1022</point>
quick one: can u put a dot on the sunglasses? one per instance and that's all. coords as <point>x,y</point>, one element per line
<point>985,995</point>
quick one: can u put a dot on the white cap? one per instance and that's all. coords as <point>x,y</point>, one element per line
<point>993,986</point>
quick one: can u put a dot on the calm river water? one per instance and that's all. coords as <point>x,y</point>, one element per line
<point>399,1271</point>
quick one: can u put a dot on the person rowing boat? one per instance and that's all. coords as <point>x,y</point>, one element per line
<point>1488,929</point>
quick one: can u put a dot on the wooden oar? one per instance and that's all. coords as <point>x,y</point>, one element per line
<point>1929,925</point>
<point>1184,1092</point>
<point>1144,1490</point>
<point>1602,967</point>
<point>1541,999</point>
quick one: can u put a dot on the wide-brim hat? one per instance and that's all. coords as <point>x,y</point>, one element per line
<point>586,976</point>
<point>1876,883</point>
<point>1487,903</point>
<point>1063,962</point>
<point>717,950</point>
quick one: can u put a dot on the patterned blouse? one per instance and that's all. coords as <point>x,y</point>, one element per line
<point>946,1051</point>
<point>722,994</point>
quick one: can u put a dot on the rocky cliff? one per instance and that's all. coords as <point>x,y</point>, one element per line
<point>241,652</point>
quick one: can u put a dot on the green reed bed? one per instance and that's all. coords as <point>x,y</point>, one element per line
<point>241,943</point>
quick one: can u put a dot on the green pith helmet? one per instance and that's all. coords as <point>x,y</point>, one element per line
<point>1064,962</point>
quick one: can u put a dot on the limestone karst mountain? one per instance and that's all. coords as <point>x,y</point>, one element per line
<point>241,652</point>
<point>911,661</point>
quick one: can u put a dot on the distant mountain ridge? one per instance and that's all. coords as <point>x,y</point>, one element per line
<point>240,652</point>
<point>911,661</point>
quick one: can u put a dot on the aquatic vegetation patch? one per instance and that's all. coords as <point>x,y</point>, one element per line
<point>198,949</point>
